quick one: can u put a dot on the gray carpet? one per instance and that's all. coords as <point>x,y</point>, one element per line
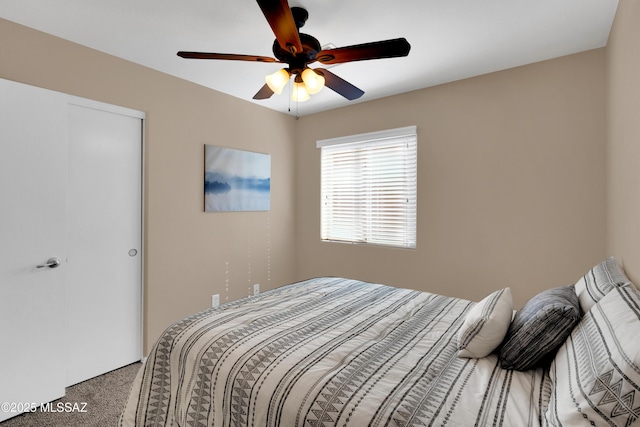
<point>104,396</point>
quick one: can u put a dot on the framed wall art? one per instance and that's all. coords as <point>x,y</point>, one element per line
<point>236,180</point>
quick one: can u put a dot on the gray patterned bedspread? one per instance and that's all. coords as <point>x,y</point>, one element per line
<point>329,352</point>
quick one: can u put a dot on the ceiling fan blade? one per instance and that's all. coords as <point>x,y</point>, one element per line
<point>281,20</point>
<point>264,93</point>
<point>339,85</point>
<point>227,56</point>
<point>383,49</point>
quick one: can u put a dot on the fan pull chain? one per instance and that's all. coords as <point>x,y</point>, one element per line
<point>297,116</point>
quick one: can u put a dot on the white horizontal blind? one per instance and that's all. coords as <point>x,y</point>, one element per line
<point>368,188</point>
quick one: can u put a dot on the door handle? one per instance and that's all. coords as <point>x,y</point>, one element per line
<point>51,263</point>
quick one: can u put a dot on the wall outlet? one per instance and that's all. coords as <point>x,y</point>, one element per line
<point>256,289</point>
<point>215,300</point>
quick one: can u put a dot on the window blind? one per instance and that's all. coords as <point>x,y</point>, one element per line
<point>368,188</point>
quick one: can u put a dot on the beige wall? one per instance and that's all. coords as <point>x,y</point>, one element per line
<point>623,138</point>
<point>511,182</point>
<point>190,255</point>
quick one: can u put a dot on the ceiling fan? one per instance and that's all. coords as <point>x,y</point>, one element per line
<point>298,50</point>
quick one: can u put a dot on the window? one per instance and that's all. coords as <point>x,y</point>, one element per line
<point>368,188</point>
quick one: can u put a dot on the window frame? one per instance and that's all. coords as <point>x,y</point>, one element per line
<point>395,174</point>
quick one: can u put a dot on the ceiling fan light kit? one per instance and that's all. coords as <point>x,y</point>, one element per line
<point>306,83</point>
<point>298,50</point>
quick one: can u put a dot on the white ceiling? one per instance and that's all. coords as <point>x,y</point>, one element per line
<point>450,39</point>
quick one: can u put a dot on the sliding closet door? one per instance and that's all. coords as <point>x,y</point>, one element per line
<point>70,242</point>
<point>104,277</point>
<point>33,166</point>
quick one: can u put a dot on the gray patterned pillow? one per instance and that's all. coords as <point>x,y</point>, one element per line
<point>599,281</point>
<point>596,372</point>
<point>539,328</point>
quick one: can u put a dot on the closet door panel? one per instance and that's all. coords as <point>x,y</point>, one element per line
<point>103,316</point>
<point>33,166</point>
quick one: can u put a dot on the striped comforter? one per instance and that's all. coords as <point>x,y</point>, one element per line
<point>329,352</point>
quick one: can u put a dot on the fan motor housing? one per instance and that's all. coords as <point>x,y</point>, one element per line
<point>298,60</point>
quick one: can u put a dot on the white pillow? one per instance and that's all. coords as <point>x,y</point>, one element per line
<point>599,281</point>
<point>486,325</point>
<point>596,373</point>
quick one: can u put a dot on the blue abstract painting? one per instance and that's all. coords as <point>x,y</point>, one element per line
<point>236,180</point>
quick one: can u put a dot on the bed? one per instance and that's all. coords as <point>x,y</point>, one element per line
<point>339,352</point>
